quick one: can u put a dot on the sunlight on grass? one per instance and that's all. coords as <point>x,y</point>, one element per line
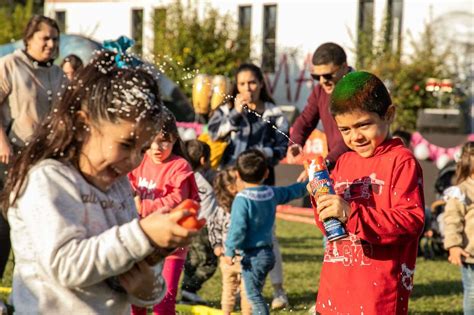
<point>438,288</point>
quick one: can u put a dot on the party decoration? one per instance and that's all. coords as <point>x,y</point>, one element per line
<point>442,160</point>
<point>421,151</point>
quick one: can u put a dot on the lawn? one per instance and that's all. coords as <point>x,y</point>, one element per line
<point>437,290</point>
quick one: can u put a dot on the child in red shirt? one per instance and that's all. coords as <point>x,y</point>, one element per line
<point>379,196</point>
<point>162,180</point>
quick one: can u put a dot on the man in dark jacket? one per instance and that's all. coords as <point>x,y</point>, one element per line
<point>329,66</point>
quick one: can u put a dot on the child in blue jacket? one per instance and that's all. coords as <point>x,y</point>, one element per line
<point>252,219</point>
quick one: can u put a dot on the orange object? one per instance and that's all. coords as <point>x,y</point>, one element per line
<point>191,221</point>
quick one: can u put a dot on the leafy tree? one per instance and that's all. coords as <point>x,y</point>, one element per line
<point>406,76</point>
<point>186,43</point>
<point>13,20</point>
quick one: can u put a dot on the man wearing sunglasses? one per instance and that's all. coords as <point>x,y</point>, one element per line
<point>329,66</point>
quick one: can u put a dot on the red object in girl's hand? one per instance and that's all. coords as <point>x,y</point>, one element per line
<point>191,221</point>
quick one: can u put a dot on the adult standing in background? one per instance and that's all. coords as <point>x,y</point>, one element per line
<point>329,66</point>
<point>247,121</point>
<point>29,84</point>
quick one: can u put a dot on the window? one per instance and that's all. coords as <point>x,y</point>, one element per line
<point>137,30</point>
<point>393,34</point>
<point>60,17</point>
<point>269,38</point>
<point>365,31</point>
<point>245,25</point>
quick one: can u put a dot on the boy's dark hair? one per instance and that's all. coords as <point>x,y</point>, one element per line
<point>360,91</point>
<point>196,150</point>
<point>252,166</point>
<point>329,53</point>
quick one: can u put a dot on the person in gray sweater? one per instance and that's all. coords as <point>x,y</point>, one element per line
<point>78,243</point>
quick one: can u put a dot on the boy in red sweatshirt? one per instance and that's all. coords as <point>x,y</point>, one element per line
<point>379,197</point>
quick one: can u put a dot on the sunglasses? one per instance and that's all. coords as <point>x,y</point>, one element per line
<point>327,76</point>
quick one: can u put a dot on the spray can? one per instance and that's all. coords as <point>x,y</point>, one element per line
<point>321,184</point>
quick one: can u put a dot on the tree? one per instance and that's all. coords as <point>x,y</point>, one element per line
<point>405,76</point>
<point>13,20</point>
<point>186,43</point>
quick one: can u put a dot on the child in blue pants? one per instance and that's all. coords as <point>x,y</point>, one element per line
<point>251,223</point>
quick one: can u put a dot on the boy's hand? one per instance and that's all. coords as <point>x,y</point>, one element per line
<point>140,281</point>
<point>302,177</point>
<point>229,260</point>
<point>164,231</point>
<point>455,255</point>
<point>218,251</point>
<point>293,153</point>
<point>333,206</point>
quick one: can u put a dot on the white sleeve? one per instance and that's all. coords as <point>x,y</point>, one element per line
<point>54,217</point>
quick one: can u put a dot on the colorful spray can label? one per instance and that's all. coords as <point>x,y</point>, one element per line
<point>320,182</point>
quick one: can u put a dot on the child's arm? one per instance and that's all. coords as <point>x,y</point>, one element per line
<point>238,227</point>
<point>454,224</point>
<point>285,194</point>
<point>54,218</point>
<point>215,228</point>
<point>393,225</point>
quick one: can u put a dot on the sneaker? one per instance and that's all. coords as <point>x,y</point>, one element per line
<point>312,310</point>
<point>280,300</point>
<point>192,298</point>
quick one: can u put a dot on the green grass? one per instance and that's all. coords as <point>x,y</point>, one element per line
<point>437,290</point>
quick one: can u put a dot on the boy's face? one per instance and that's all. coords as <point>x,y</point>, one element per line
<point>364,131</point>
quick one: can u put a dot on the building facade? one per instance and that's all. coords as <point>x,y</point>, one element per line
<point>283,33</point>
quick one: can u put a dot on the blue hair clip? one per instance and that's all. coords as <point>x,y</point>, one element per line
<point>120,46</point>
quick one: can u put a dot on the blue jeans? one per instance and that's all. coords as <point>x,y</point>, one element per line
<point>467,271</point>
<point>256,264</point>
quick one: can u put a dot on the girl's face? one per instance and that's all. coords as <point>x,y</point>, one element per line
<point>44,43</point>
<point>68,70</point>
<point>111,151</point>
<point>249,85</point>
<point>160,149</point>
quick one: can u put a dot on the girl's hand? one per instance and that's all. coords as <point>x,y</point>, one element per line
<point>164,231</point>
<point>140,281</point>
<point>455,255</point>
<point>333,206</point>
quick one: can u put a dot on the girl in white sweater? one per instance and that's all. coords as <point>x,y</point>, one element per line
<point>79,246</point>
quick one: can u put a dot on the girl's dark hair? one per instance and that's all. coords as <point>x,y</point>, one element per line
<point>168,131</point>
<point>34,25</point>
<point>465,166</point>
<point>196,149</point>
<point>360,91</point>
<point>257,72</point>
<point>74,60</point>
<point>102,91</point>
<point>223,181</point>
